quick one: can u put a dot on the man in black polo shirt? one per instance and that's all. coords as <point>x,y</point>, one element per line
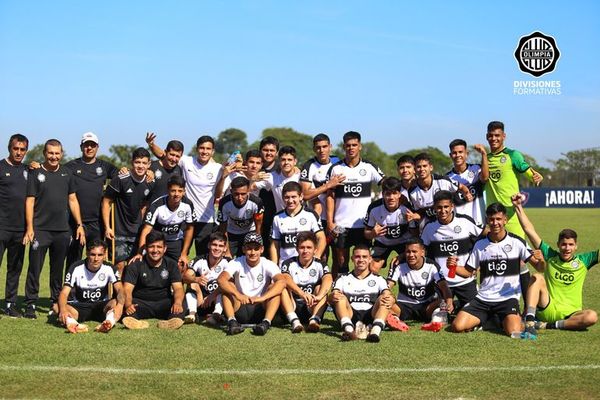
<point>90,174</point>
<point>147,285</point>
<point>13,187</point>
<point>50,193</point>
<point>130,193</point>
<point>166,167</point>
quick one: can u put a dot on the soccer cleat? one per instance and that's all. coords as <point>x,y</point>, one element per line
<point>77,328</point>
<point>133,323</point>
<point>530,328</point>
<point>261,328</point>
<point>189,319</point>
<point>373,338</point>
<point>234,327</point>
<point>348,336</point>
<point>30,313</point>
<point>297,327</point>
<point>361,331</point>
<point>395,323</point>
<point>12,312</point>
<point>214,320</point>
<point>104,327</point>
<point>313,326</point>
<point>432,326</point>
<point>172,323</point>
<point>540,325</point>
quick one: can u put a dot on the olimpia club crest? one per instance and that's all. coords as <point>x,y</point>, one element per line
<point>537,54</point>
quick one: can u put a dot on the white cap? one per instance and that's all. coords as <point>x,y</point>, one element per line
<point>89,137</point>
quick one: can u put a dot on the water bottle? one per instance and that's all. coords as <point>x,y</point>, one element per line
<point>233,157</point>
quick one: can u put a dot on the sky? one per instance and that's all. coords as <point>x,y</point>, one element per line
<point>404,75</point>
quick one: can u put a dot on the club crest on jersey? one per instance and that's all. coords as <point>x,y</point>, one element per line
<point>102,277</point>
<point>158,174</point>
<point>424,275</point>
<point>362,172</point>
<point>209,175</point>
<point>260,277</point>
<point>99,171</point>
<point>575,264</point>
<point>302,221</point>
<point>471,175</point>
<point>503,159</point>
<point>146,192</point>
<point>312,273</point>
<point>248,213</point>
<point>164,274</point>
<point>41,178</point>
<point>457,229</point>
<point>218,269</point>
<point>371,282</point>
<point>507,248</point>
<point>181,213</point>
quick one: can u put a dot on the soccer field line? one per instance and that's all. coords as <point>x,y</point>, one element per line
<point>290,371</point>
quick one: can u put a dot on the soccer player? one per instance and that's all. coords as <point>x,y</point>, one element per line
<point>152,288</point>
<point>130,193</point>
<point>428,183</point>
<point>250,169</point>
<point>86,293</point>
<point>269,146</point>
<point>13,190</point>
<point>277,179</point>
<point>201,174</point>
<point>90,174</point>
<point>348,202</point>
<point>251,287</point>
<point>555,293</point>
<point>498,257</point>
<point>417,279</point>
<point>473,176</point>
<point>203,296</point>
<point>166,167</point>
<point>505,165</point>
<point>389,223</point>
<point>239,213</point>
<point>50,192</point>
<point>307,283</point>
<point>173,215</point>
<point>294,218</point>
<point>405,165</point>
<point>449,241</point>
<point>360,297</point>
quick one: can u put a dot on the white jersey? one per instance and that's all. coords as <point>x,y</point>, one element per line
<point>88,286</point>
<point>170,222</point>
<point>499,265</point>
<point>353,196</point>
<point>361,293</point>
<point>422,199</point>
<point>200,267</point>
<point>307,278</point>
<point>200,183</point>
<point>274,182</point>
<point>395,221</point>
<point>454,239</point>
<point>416,286</point>
<point>240,220</point>
<point>286,228</point>
<point>471,179</point>
<point>252,281</point>
<point>316,173</point>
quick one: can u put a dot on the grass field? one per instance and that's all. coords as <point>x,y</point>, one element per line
<point>39,360</point>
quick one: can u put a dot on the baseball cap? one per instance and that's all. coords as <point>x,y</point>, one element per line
<point>253,237</point>
<point>89,137</point>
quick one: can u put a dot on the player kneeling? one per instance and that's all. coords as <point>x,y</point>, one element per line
<point>307,283</point>
<point>203,296</point>
<point>361,298</point>
<point>417,278</point>
<point>251,287</point>
<point>85,295</point>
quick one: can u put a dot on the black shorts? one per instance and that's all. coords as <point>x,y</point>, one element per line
<point>174,249</point>
<point>382,252</point>
<point>125,248</point>
<point>90,311</point>
<point>202,231</point>
<point>154,309</point>
<point>236,243</point>
<point>304,312</point>
<point>351,237</point>
<point>362,315</point>
<point>250,313</point>
<point>413,312</point>
<point>464,293</point>
<point>485,310</point>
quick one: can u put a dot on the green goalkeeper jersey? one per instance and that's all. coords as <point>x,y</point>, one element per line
<point>504,167</point>
<point>564,279</point>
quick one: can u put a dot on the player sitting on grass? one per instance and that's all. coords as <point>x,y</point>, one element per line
<point>251,287</point>
<point>85,294</point>
<point>203,296</point>
<point>498,257</point>
<point>358,298</point>
<point>417,278</point>
<point>307,283</point>
<point>153,288</point>
<point>556,292</point>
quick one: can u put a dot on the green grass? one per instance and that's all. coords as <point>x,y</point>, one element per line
<point>198,362</point>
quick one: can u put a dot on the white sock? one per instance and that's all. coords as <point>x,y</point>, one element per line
<point>110,316</point>
<point>71,320</point>
<point>218,305</point>
<point>192,302</point>
<point>347,324</point>
<point>291,316</point>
